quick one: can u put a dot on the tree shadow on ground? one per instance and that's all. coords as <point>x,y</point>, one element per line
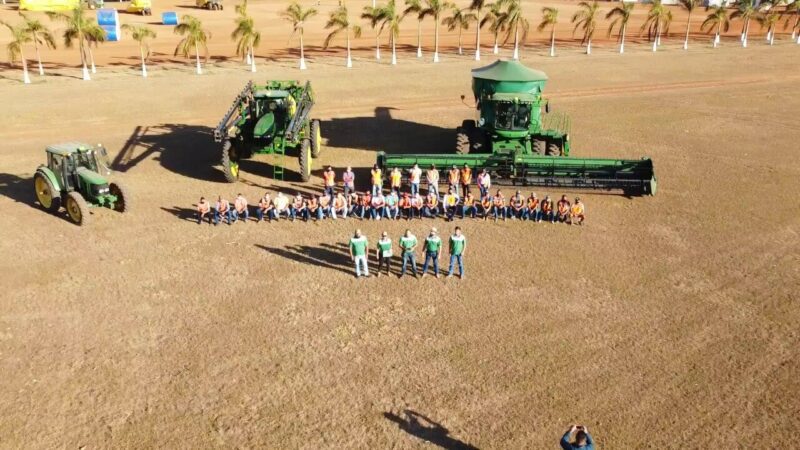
<point>426,429</point>
<point>315,256</point>
<point>382,132</point>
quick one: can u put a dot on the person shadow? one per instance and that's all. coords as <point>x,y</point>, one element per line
<point>426,429</point>
<point>323,256</point>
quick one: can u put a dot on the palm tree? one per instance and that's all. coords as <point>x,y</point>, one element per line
<point>658,20</point>
<point>719,19</point>
<point>768,18</point>
<point>435,8</point>
<point>586,19</point>
<point>497,19</point>
<point>79,28</point>
<point>515,20</point>
<point>241,11</point>
<point>340,21</point>
<point>549,19</point>
<point>746,10</point>
<point>141,34</point>
<point>195,37</point>
<point>477,6</point>
<point>793,9</point>
<point>297,16</point>
<point>391,18</point>
<point>19,37</point>
<point>415,7</point>
<point>373,15</point>
<point>247,39</point>
<point>40,35</point>
<point>94,36</point>
<point>621,15</point>
<point>689,6</point>
<point>459,20</point>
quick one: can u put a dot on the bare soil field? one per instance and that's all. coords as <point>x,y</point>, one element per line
<point>665,322</point>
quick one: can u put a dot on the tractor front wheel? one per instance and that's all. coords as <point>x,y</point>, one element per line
<point>304,158</point>
<point>230,162</point>
<point>316,139</point>
<point>462,142</point>
<point>46,193</point>
<point>77,209</point>
<point>123,203</point>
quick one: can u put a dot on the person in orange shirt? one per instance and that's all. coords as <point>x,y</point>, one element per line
<point>395,179</point>
<point>265,208</point>
<point>376,177</point>
<point>414,177</point>
<point>431,205</point>
<point>563,209</point>
<point>329,177</point>
<point>577,212</point>
<point>534,211</point>
<point>486,206</point>
<point>453,177</point>
<point>547,209</point>
<point>203,208</point>
<point>405,205</point>
<point>364,202</point>
<point>499,205</point>
<point>468,207</point>
<point>466,179</point>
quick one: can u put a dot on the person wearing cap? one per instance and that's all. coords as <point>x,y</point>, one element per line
<point>484,182</point>
<point>349,181</point>
<point>466,179</point>
<point>265,208</point>
<point>453,177</point>
<point>431,208</point>
<point>516,206</point>
<point>203,208</point>
<point>582,439</point>
<point>223,207</point>
<point>376,177</point>
<point>414,176</point>
<point>405,205</point>
<point>499,205</point>
<point>432,176</point>
<point>408,245</point>
<point>433,246</point>
<point>358,253</point>
<point>395,179</point>
<point>547,209</point>
<point>450,204</point>
<point>534,211</point>
<point>563,209</point>
<point>577,213</point>
<point>469,206</point>
<point>383,252</point>
<point>329,178</point>
<point>458,245</point>
<point>392,210</point>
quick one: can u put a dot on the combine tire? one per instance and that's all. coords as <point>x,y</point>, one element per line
<point>462,142</point>
<point>77,209</point>
<point>46,194</point>
<point>230,162</point>
<point>316,139</point>
<point>539,146</point>
<point>123,195</point>
<point>304,158</point>
<point>553,149</point>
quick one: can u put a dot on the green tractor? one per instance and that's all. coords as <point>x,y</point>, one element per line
<point>75,177</point>
<point>518,140</point>
<point>269,119</point>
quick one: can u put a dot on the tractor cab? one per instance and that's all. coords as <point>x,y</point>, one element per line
<point>80,167</point>
<point>513,112</point>
<point>273,107</point>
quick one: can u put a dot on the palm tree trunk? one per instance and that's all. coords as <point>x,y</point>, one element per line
<point>622,41</point>
<point>553,41</point>
<point>516,41</point>
<point>38,57</point>
<point>745,31</point>
<point>478,37</point>
<point>436,42</point>
<point>349,63</point>
<point>197,59</point>
<point>25,77</point>
<point>252,59</point>
<point>144,67</point>
<point>378,46</point>
<point>496,49</point>
<point>419,39</point>
<point>688,24</point>
<point>302,52</point>
<point>86,76</point>
<point>655,41</point>
<point>716,36</point>
<point>394,50</point>
<point>589,47</point>
<point>460,52</point>
<point>772,35</point>
<point>91,58</point>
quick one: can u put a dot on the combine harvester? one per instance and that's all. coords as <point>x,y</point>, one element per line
<point>268,119</point>
<point>518,144</point>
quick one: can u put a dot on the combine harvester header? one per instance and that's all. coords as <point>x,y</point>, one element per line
<point>517,140</point>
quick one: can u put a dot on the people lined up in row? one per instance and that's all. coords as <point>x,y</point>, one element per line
<point>393,206</point>
<point>458,180</point>
<point>432,249</point>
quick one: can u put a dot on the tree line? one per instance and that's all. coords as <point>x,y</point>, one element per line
<point>504,19</point>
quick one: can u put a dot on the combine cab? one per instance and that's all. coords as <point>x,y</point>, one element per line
<point>267,119</point>
<point>518,140</point>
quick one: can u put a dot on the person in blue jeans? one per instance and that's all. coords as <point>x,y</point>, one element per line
<point>223,208</point>
<point>433,247</point>
<point>458,244</point>
<point>408,245</point>
<point>581,441</point>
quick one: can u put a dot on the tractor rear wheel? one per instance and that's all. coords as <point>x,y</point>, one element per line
<point>230,162</point>
<point>123,203</point>
<point>462,142</point>
<point>316,139</point>
<point>77,209</point>
<point>46,193</point>
<point>553,149</point>
<point>304,158</point>
<point>539,146</point>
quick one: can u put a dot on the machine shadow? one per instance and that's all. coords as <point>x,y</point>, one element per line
<point>18,189</point>
<point>382,132</point>
<point>315,256</point>
<point>426,429</point>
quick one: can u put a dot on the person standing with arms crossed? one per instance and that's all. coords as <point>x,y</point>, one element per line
<point>358,253</point>
<point>432,176</point>
<point>376,177</point>
<point>433,247</point>
<point>349,181</point>
<point>383,252</point>
<point>466,179</point>
<point>408,245</point>
<point>329,178</point>
<point>484,183</point>
<point>458,245</point>
<point>453,177</point>
<point>395,179</point>
<point>414,176</point>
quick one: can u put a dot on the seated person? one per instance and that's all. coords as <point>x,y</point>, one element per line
<point>534,211</point>
<point>499,205</point>
<point>281,204</point>
<point>376,205</point>
<point>324,202</point>
<point>547,209</point>
<point>391,210</point>
<point>405,205</point>
<point>265,208</point>
<point>339,206</point>
<point>364,202</point>
<point>469,206</point>
<point>563,209</point>
<point>297,207</point>
<point>450,204</point>
<point>240,208</point>
<point>516,206</point>
<point>223,208</point>
<point>417,203</point>
<point>352,203</point>
<point>203,208</point>
<point>486,206</point>
<point>312,207</point>
<point>577,212</point>
<point>431,208</point>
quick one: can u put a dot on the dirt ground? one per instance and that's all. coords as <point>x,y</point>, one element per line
<point>665,322</point>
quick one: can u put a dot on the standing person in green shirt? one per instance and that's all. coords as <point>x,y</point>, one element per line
<point>458,244</point>
<point>433,247</point>
<point>358,253</point>
<point>384,252</point>
<point>408,244</point>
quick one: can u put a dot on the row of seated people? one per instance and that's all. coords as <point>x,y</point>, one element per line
<point>395,206</point>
